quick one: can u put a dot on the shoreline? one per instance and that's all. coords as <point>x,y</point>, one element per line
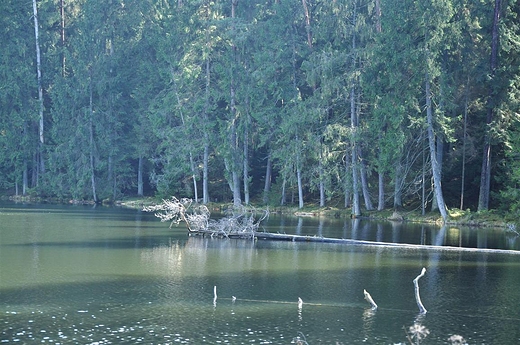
<point>489,219</point>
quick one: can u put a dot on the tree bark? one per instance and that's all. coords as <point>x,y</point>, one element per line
<point>348,183</point>
<point>463,168</point>
<point>356,210</point>
<point>205,159</point>
<point>268,177</point>
<point>235,180</point>
<point>62,36</point>
<point>435,165</point>
<point>398,185</point>
<point>423,178</point>
<point>246,166</point>
<point>364,182</point>
<point>194,178</point>
<point>283,199</point>
<point>299,174</point>
<point>322,184</point>
<point>205,189</point>
<point>381,191</point>
<point>485,175</point>
<point>91,141</point>
<point>300,187</point>
<point>378,16</point>
<point>307,23</point>
<point>25,178</point>
<point>186,130</point>
<point>40,89</point>
<point>140,183</point>
<point>321,174</point>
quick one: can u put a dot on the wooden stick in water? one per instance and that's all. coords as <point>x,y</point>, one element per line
<point>370,300</point>
<point>422,309</point>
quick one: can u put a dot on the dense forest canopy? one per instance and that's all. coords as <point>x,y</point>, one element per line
<point>367,104</point>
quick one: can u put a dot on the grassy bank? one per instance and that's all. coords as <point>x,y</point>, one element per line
<point>456,217</point>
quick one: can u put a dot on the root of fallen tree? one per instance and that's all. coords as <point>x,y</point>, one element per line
<point>238,221</point>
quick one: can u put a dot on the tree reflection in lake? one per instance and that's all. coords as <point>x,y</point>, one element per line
<point>110,275</point>
<point>394,232</point>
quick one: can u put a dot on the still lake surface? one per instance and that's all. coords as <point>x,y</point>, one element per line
<point>84,275</point>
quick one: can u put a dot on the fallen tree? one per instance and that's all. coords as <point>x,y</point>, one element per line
<point>241,223</point>
<point>238,222</point>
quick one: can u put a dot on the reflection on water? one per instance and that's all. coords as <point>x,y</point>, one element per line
<point>395,232</point>
<point>82,275</point>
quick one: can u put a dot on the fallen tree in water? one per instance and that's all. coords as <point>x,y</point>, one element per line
<point>238,222</point>
<point>241,223</point>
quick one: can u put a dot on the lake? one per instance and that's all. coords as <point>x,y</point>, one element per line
<point>100,275</point>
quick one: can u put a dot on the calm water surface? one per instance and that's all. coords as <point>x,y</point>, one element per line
<point>83,275</point>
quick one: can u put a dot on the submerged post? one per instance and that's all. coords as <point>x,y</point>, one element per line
<point>369,299</point>
<point>422,309</point>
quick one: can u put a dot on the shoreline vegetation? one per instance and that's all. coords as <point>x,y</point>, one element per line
<point>491,219</point>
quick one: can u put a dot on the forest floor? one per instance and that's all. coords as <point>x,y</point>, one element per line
<point>457,217</point>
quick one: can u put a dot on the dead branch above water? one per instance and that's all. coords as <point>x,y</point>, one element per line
<point>238,222</point>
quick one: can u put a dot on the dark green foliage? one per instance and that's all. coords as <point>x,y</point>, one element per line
<point>191,91</point>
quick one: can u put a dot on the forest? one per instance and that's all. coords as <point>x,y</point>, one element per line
<point>358,104</point>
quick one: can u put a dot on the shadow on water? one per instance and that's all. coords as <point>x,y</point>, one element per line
<point>142,242</point>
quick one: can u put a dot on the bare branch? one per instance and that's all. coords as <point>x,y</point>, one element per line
<point>239,221</point>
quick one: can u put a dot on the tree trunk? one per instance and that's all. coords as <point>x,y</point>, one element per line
<point>321,174</point>
<point>348,182</point>
<point>140,183</point>
<point>381,193</point>
<point>205,190</point>
<point>194,178</point>
<point>283,199</point>
<point>25,178</point>
<point>40,88</point>
<point>299,173</point>
<point>356,209</point>
<point>435,165</point>
<point>186,130</point>
<point>267,183</point>
<point>378,16</point>
<point>35,170</point>
<point>237,201</point>
<point>439,147</point>
<point>465,133</point>
<point>423,178</point>
<point>322,184</point>
<point>300,187</point>
<point>245,167</point>
<point>307,23</point>
<point>111,176</point>
<point>91,141</point>
<point>235,183</point>
<point>62,36</point>
<point>398,186</point>
<point>205,159</point>
<point>485,175</point>
<point>364,182</point>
